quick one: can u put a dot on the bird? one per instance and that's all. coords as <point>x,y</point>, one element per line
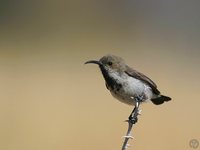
<point>127,84</point>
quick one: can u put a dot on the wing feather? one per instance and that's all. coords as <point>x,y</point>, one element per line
<point>140,76</point>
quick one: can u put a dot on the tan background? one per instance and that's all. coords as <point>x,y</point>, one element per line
<point>49,100</point>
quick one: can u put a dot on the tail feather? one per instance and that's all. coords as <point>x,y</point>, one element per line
<point>160,100</point>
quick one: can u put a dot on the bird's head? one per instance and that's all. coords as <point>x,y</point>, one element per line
<point>110,63</point>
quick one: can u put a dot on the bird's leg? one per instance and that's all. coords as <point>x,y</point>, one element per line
<point>133,116</point>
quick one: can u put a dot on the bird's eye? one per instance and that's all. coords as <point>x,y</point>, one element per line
<point>110,63</point>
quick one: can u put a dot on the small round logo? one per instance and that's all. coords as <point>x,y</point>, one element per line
<point>194,143</point>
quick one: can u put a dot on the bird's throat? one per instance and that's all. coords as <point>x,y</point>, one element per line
<point>111,83</point>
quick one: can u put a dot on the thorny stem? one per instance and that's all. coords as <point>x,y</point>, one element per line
<point>134,115</point>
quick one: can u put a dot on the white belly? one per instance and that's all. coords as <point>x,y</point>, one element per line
<point>131,88</point>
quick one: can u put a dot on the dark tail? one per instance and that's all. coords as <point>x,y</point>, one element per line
<point>161,99</point>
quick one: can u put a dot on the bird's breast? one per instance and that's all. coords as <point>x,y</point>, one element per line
<point>129,89</point>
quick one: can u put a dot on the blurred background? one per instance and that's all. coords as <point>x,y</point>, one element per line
<point>50,100</point>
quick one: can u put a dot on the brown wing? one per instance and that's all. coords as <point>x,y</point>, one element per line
<point>135,74</point>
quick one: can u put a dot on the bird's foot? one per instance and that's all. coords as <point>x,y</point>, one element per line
<point>132,119</point>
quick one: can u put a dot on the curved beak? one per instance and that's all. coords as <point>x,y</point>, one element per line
<point>93,62</point>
